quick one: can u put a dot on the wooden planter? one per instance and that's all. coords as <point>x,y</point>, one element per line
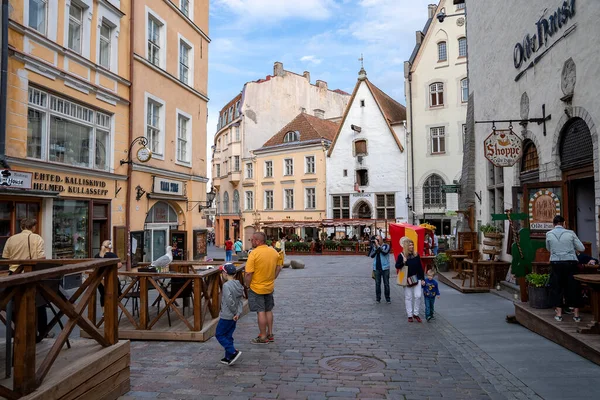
<point>539,297</point>
<point>494,235</point>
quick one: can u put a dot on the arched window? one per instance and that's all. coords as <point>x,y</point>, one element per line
<point>225,203</point>
<point>236,202</point>
<point>530,163</point>
<point>161,213</point>
<point>462,47</point>
<point>291,136</point>
<point>464,90</point>
<point>360,147</point>
<point>442,51</point>
<point>436,91</point>
<point>433,196</point>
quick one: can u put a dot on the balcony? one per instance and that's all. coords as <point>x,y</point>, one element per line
<point>216,182</point>
<point>235,177</point>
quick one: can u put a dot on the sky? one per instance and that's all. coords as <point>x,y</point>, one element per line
<point>324,37</point>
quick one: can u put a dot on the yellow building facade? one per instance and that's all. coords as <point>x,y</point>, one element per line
<point>288,192</point>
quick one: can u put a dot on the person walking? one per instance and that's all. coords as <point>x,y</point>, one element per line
<point>231,310</point>
<point>563,245</point>
<point>380,252</point>
<point>238,247</point>
<point>261,272</point>
<point>408,265</point>
<point>28,245</point>
<point>430,292</point>
<point>106,252</point>
<point>228,250</point>
<point>436,243</point>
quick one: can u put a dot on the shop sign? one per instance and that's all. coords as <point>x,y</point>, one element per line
<point>167,186</point>
<point>544,205</point>
<point>545,27</point>
<point>503,147</point>
<point>209,212</point>
<point>69,184</point>
<point>15,179</point>
<point>451,188</point>
<point>364,195</point>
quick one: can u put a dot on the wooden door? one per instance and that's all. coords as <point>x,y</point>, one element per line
<point>179,243</point>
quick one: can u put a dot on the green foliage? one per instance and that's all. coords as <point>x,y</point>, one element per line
<point>347,243</point>
<point>297,246</point>
<point>488,228</point>
<point>441,258</point>
<point>537,280</point>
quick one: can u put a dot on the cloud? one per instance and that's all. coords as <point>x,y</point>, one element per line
<point>311,60</point>
<point>272,11</point>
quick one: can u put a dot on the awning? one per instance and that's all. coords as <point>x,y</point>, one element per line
<point>28,193</point>
<point>326,223</point>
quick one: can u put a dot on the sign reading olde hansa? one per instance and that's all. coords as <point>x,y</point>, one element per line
<point>503,147</point>
<point>544,205</point>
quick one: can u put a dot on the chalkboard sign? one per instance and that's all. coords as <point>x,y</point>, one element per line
<point>179,243</point>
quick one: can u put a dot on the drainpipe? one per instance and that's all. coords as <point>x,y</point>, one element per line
<point>412,153</point>
<point>130,165</point>
<point>4,84</point>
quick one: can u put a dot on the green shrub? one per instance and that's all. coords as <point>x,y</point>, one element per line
<point>442,258</point>
<point>537,280</point>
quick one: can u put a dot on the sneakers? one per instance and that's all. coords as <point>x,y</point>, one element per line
<point>389,302</point>
<point>576,319</point>
<point>428,319</point>
<point>236,356</point>
<point>259,340</point>
<point>558,318</point>
<point>271,338</point>
<point>410,319</point>
<point>225,361</point>
<point>418,319</point>
<point>377,301</point>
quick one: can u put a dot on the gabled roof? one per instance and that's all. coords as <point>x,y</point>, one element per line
<point>392,111</point>
<point>311,129</point>
<point>418,45</point>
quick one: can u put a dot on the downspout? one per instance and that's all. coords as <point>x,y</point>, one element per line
<point>4,83</point>
<point>412,153</point>
<point>130,165</point>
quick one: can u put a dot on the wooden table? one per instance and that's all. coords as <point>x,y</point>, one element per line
<point>481,264</point>
<point>593,281</point>
<point>457,260</point>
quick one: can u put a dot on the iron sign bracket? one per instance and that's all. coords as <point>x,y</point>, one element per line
<point>539,121</point>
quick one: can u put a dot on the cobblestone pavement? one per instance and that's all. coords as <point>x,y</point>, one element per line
<point>328,310</point>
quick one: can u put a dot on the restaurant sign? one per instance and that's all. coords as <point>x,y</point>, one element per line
<point>15,179</point>
<point>167,186</point>
<point>503,147</point>
<point>544,205</point>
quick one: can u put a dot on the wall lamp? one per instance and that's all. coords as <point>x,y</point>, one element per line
<point>408,202</point>
<point>210,197</point>
<point>139,192</point>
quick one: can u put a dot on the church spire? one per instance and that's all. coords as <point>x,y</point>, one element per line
<point>362,74</point>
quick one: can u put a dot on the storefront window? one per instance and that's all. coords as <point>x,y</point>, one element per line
<point>70,229</point>
<point>11,214</point>
<point>5,219</point>
<point>26,210</point>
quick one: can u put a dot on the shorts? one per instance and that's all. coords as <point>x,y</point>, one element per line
<point>260,302</point>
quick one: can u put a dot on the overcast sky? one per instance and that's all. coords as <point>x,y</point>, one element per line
<point>324,37</point>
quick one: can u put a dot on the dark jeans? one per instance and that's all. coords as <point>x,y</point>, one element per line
<point>429,303</point>
<point>385,274</point>
<point>228,255</point>
<point>564,289</point>
<point>224,335</point>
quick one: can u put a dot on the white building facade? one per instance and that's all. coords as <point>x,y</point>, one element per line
<point>367,162</point>
<point>544,63</point>
<point>436,90</point>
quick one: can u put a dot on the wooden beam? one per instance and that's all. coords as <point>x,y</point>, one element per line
<point>111,298</point>
<point>24,381</point>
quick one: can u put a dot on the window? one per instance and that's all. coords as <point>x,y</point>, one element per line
<point>226,203</point>
<point>268,199</point>
<point>75,27</point>
<point>37,15</point>
<point>460,6</point>
<point>249,171</point>
<point>530,160</point>
<point>464,90</point>
<point>184,62</point>
<point>362,103</point>
<point>185,7</point>
<point>341,207</point>
<point>464,135</point>
<point>153,133</point>
<point>104,51</point>
<point>237,133</point>
<point>311,198</point>
<point>236,163</point>
<point>268,169</point>
<point>230,114</point>
<point>442,51</point>
<point>291,136</point>
<point>236,202</point>
<point>62,131</point>
<point>386,206</point>
<point>360,147</point>
<point>288,164</point>
<point>154,41</point>
<point>310,164</point>
<point>249,200</point>
<point>182,138</point>
<point>345,172</point>
<point>432,192</point>
<point>462,47</point>
<point>436,91</point>
<point>218,170</point>
<point>288,196</point>
<point>438,140</point>
<point>362,177</point>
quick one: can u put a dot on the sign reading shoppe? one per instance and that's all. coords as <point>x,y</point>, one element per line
<point>503,147</point>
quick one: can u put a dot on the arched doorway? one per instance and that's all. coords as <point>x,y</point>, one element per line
<point>160,221</point>
<point>362,210</point>
<point>577,165</point>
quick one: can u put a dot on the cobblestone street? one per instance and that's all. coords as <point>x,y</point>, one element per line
<point>328,310</point>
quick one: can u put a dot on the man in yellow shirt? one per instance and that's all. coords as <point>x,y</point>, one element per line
<point>261,271</point>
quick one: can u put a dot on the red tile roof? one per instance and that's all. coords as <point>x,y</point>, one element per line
<point>310,128</point>
<point>394,112</point>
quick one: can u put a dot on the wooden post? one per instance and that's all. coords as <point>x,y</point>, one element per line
<point>197,304</point>
<point>24,347</point>
<point>111,298</point>
<point>523,287</point>
<point>143,303</point>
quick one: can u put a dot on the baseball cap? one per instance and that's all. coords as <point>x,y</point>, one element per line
<point>229,268</point>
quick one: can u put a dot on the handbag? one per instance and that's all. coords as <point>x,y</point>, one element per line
<point>402,279</point>
<point>373,274</point>
<point>412,280</point>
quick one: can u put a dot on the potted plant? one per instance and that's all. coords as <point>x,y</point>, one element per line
<point>537,286</point>
<point>491,231</point>
<point>441,262</point>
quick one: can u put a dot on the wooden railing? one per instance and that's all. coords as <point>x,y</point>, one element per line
<point>31,280</point>
<point>349,249</point>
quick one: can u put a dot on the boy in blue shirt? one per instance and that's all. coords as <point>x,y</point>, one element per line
<point>430,291</point>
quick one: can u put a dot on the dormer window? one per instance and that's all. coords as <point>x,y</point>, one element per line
<point>291,136</point>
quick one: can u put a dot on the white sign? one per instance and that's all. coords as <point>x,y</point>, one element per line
<point>15,179</point>
<point>167,186</point>
<point>209,212</point>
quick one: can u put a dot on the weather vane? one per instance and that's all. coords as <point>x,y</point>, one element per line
<point>361,59</point>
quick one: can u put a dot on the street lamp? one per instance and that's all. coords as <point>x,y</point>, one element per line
<point>210,196</point>
<point>408,202</point>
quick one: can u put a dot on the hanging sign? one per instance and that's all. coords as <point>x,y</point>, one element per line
<point>544,205</point>
<point>503,147</point>
<point>15,179</point>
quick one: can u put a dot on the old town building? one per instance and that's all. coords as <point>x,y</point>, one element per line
<point>367,163</point>
<point>437,93</point>
<point>245,124</point>
<point>545,73</point>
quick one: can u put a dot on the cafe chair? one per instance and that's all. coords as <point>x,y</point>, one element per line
<point>175,285</point>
